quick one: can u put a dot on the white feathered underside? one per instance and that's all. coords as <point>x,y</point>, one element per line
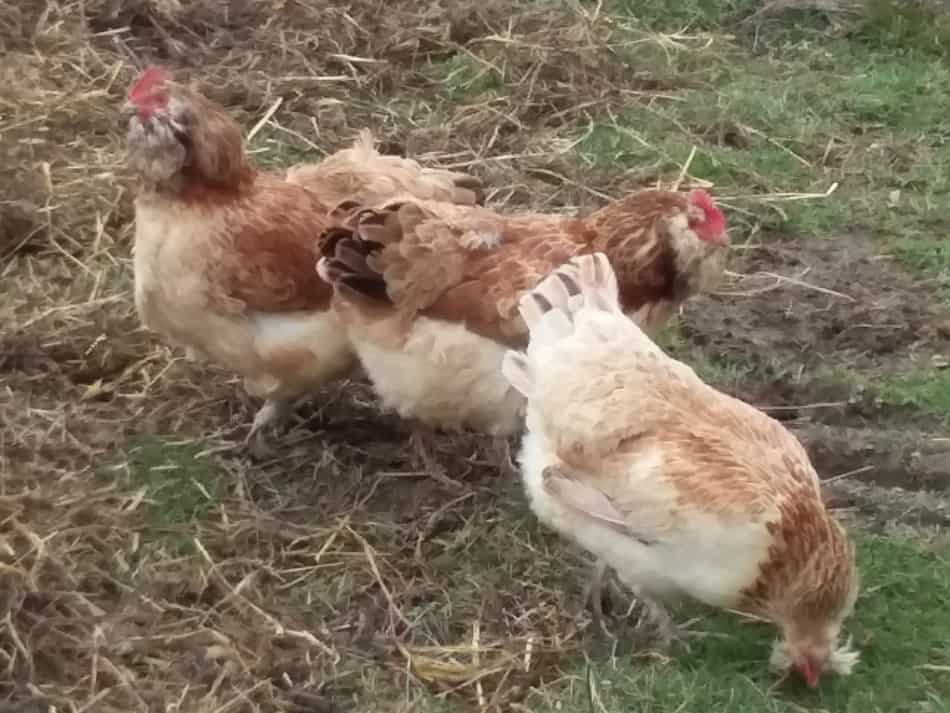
<point>445,376</point>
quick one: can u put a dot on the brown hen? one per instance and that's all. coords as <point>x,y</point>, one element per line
<point>429,291</point>
<point>225,254</point>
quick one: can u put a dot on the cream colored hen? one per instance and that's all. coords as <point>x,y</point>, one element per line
<point>681,489</point>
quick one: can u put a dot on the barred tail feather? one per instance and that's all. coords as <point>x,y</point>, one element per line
<point>550,309</point>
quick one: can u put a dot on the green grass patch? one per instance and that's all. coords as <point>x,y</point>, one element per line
<point>925,391</point>
<point>927,254</point>
<point>696,14</point>
<point>782,106</point>
<point>271,150</point>
<point>720,371</point>
<point>179,486</point>
<point>900,625</point>
<point>922,393</point>
<point>465,79</point>
<point>907,25</point>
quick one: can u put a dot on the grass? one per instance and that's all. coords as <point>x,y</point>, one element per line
<point>899,625</point>
<point>906,26</point>
<point>931,257</point>
<point>789,109</point>
<point>465,79</point>
<point>926,392</point>
<point>167,571</point>
<point>786,109</point>
<point>921,394</point>
<point>179,486</point>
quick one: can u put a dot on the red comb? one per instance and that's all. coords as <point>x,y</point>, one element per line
<point>151,78</point>
<point>701,198</point>
<point>715,222</point>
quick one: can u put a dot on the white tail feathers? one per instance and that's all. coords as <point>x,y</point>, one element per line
<point>584,281</point>
<point>598,282</point>
<point>549,309</point>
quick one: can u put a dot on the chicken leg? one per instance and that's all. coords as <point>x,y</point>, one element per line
<point>422,447</point>
<point>654,615</point>
<point>502,456</point>
<point>593,595</point>
<point>271,415</point>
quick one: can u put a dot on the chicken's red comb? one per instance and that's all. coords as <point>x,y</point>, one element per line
<point>701,198</point>
<point>715,220</point>
<point>151,78</point>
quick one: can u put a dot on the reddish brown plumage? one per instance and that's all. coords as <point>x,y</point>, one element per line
<point>470,265</point>
<point>259,251</point>
<point>809,571</point>
<point>263,239</point>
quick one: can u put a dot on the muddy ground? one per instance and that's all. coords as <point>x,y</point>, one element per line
<point>863,311</point>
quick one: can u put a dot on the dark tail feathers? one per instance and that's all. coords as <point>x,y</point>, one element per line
<point>348,264</point>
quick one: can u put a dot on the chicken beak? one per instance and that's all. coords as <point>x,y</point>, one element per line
<point>810,672</point>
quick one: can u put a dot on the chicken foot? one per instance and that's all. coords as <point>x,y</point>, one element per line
<point>654,615</point>
<point>271,415</point>
<point>422,446</point>
<point>665,631</point>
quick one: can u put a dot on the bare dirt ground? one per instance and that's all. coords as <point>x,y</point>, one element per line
<point>871,315</point>
<point>147,566</point>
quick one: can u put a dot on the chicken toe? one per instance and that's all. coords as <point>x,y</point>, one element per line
<point>665,631</point>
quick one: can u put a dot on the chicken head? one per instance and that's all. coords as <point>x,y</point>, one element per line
<point>813,650</point>
<point>700,240</point>
<point>706,220</point>
<point>178,139</point>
